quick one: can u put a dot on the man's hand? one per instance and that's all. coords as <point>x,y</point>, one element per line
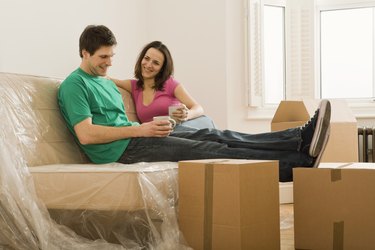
<point>88,133</point>
<point>160,128</point>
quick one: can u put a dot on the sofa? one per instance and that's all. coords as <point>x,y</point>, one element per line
<point>53,197</point>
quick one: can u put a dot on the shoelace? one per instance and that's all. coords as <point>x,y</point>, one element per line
<point>310,121</point>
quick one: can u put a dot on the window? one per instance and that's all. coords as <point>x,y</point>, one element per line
<point>266,52</point>
<point>300,50</point>
<point>347,53</point>
<point>281,51</point>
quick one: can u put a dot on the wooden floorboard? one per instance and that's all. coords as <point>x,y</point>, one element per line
<point>286,227</point>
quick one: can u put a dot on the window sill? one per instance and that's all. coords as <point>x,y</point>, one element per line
<point>261,113</point>
<point>361,110</point>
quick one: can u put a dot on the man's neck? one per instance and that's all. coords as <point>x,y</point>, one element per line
<point>85,69</point>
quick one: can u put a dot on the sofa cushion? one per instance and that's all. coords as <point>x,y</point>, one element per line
<point>129,105</point>
<point>39,129</point>
<point>112,186</point>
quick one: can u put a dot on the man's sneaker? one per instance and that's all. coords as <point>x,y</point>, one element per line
<point>307,132</point>
<point>315,131</point>
<point>316,161</point>
<point>321,132</point>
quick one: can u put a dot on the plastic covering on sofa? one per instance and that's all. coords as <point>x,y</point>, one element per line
<point>52,198</point>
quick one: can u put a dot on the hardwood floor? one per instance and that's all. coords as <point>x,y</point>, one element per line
<point>286,227</point>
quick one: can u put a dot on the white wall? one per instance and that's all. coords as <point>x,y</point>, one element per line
<point>194,31</point>
<point>206,39</point>
<point>40,37</point>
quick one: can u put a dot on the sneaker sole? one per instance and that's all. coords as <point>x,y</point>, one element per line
<point>319,157</point>
<point>321,129</point>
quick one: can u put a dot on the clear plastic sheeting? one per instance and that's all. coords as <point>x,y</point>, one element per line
<point>51,198</point>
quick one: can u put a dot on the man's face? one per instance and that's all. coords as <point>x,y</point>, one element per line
<point>98,63</point>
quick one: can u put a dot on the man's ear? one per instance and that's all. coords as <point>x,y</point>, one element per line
<point>85,54</point>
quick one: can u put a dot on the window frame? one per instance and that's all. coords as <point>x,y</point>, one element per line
<point>362,108</point>
<point>333,8</point>
<point>257,108</point>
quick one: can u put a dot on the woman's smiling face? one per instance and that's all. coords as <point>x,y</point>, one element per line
<point>152,63</point>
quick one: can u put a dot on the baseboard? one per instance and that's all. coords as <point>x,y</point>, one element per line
<point>286,192</point>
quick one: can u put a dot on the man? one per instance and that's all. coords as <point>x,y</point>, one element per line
<point>93,110</point>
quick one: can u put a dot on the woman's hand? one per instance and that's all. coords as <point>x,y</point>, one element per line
<point>181,114</point>
<point>190,108</point>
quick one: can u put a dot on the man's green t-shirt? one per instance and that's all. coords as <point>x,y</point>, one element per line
<point>81,96</point>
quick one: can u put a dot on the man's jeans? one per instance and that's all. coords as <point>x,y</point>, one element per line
<point>212,143</point>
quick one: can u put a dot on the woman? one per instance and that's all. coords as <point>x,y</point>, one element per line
<point>155,90</point>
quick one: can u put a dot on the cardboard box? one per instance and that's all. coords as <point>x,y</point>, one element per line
<point>229,204</point>
<point>334,206</point>
<point>343,142</point>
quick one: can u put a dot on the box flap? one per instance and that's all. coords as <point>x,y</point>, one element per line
<point>294,111</point>
<point>225,161</point>
<point>204,161</point>
<point>348,165</point>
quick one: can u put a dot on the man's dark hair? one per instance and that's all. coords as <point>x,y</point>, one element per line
<point>166,70</point>
<point>95,36</point>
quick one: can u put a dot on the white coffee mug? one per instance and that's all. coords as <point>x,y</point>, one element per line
<point>172,109</point>
<point>167,118</point>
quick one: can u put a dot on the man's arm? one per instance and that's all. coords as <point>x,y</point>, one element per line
<point>89,133</point>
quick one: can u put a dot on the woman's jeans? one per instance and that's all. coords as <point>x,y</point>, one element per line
<point>200,122</point>
<point>213,143</point>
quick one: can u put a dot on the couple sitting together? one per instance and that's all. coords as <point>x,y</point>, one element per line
<point>92,107</point>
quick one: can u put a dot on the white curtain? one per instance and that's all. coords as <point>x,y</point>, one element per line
<point>300,49</point>
<point>255,53</point>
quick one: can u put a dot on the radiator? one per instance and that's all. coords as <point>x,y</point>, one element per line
<point>366,142</point>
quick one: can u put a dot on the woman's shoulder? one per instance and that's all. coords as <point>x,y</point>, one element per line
<point>133,82</point>
<point>171,84</point>
<point>171,80</point>
<point>133,85</point>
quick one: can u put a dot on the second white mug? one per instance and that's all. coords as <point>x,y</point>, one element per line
<point>165,117</point>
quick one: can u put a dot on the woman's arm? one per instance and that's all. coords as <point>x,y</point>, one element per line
<point>191,108</point>
<point>124,84</point>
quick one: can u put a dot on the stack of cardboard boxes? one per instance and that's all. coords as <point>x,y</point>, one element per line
<point>343,142</point>
<point>234,204</point>
<point>333,204</point>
